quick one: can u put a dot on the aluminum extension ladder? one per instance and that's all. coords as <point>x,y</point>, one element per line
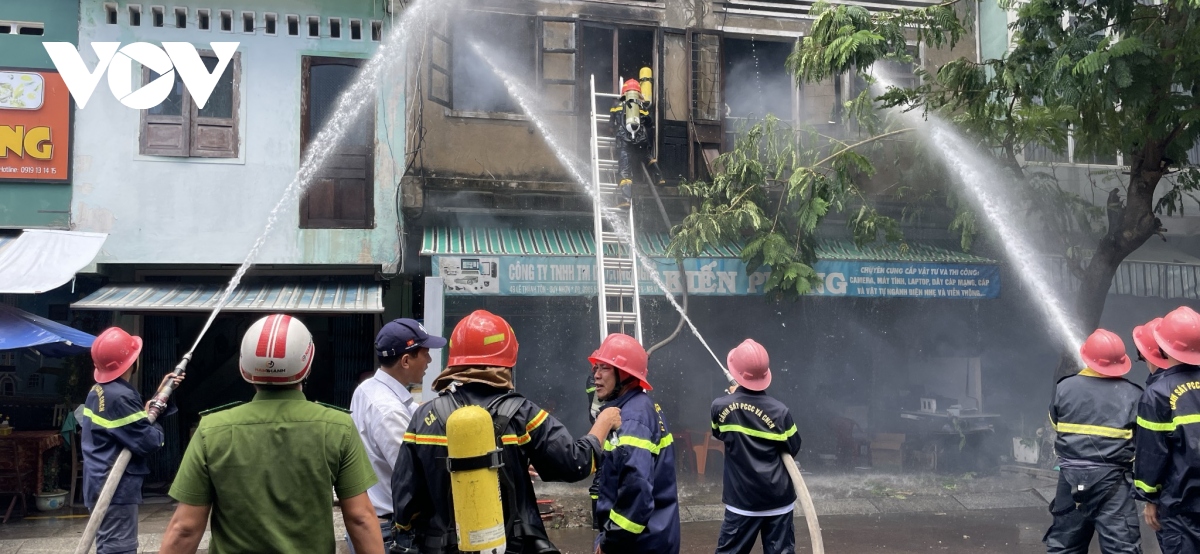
<point>618,297</point>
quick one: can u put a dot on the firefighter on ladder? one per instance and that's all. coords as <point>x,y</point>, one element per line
<point>633,129</point>
<point>1165,473</point>
<point>479,372</point>
<point>1094,413</point>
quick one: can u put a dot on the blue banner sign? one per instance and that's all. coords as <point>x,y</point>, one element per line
<point>575,276</point>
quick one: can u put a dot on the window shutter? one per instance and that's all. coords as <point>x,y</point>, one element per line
<point>214,130</point>
<point>164,135</point>
<point>441,55</point>
<point>557,64</point>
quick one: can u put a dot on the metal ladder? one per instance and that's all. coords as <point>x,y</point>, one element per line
<point>618,298</point>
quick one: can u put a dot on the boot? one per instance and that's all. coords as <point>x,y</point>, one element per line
<point>624,193</point>
<point>656,173</point>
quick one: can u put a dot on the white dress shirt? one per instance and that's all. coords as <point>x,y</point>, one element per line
<point>381,409</point>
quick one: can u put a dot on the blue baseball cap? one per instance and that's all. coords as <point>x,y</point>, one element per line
<point>404,335</point>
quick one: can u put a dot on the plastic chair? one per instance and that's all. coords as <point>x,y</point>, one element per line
<point>12,479</point>
<point>702,449</point>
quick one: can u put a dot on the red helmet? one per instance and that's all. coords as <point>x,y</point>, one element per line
<point>483,339</point>
<point>1143,339</point>
<point>1104,352</point>
<point>113,352</point>
<point>750,365</point>
<point>633,85</point>
<point>624,353</point>
<point>1179,335</point>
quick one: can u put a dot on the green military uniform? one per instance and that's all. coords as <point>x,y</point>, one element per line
<point>268,469</point>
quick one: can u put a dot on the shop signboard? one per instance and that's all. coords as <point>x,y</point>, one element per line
<point>575,276</point>
<point>35,126</point>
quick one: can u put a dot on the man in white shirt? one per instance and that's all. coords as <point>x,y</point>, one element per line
<point>382,406</point>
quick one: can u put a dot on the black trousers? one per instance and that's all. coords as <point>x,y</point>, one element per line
<point>1180,534</point>
<point>739,533</point>
<point>629,155</point>
<point>1094,501</point>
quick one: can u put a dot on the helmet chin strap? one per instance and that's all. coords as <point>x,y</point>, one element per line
<point>621,387</point>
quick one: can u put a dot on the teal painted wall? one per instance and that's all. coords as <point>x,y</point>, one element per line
<point>44,205</point>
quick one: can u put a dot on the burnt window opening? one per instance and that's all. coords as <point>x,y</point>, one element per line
<point>509,40</point>
<point>335,27</point>
<point>293,25</point>
<point>355,29</point>
<point>613,55</point>
<point>227,21</point>
<point>110,13</point>
<point>181,18</point>
<point>202,19</point>
<point>156,16</point>
<point>314,26</point>
<point>756,83</point>
<point>135,15</point>
<point>270,22</point>
<point>376,31</point>
<point>341,195</point>
<point>178,127</point>
<point>248,22</point>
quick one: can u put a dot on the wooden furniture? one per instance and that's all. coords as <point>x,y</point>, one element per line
<point>28,447</point>
<point>12,476</point>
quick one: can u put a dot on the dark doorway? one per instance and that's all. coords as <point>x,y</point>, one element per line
<point>756,83</point>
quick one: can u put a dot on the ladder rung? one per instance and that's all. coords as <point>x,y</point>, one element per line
<point>603,140</point>
<point>617,263</point>
<point>620,317</point>
<point>609,237</point>
<point>618,290</point>
<point>607,95</point>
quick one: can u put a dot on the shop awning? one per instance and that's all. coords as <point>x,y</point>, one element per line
<point>39,260</point>
<point>21,329</point>
<point>323,297</point>
<point>557,262</point>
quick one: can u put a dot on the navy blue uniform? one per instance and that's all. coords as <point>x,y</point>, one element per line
<point>1094,416</point>
<point>758,493</point>
<point>1167,469</point>
<point>115,419</point>
<point>638,505</point>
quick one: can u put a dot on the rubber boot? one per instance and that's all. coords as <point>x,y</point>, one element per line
<point>624,193</point>
<point>656,172</point>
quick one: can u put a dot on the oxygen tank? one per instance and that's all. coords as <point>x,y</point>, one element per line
<point>646,78</point>
<point>474,480</point>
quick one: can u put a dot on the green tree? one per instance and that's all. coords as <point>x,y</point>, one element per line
<point>1120,76</point>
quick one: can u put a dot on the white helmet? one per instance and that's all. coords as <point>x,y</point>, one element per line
<point>277,350</point>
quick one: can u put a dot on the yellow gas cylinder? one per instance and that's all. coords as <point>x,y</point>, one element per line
<point>474,481</point>
<point>646,78</point>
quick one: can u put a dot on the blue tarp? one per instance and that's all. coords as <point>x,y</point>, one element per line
<point>21,329</point>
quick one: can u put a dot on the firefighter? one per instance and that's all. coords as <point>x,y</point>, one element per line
<point>483,351</point>
<point>266,471</point>
<point>1149,352</point>
<point>1166,475</point>
<point>114,420</point>
<point>638,505</point>
<point>756,429</point>
<point>633,128</point>
<point>594,405</point>
<point>1094,413</point>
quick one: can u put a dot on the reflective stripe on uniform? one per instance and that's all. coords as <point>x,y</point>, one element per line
<point>624,522</point>
<point>590,390</point>
<point>1170,425</point>
<point>1094,430</point>
<point>1146,488</point>
<point>756,433</point>
<point>439,440</point>
<point>537,421</point>
<point>113,423</point>
<point>641,443</point>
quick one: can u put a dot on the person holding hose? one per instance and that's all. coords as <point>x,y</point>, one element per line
<point>114,418</point>
<point>756,429</point>
<point>638,504</point>
<point>1166,475</point>
<point>266,471</point>
<point>1156,361</point>
<point>1094,413</point>
<point>479,372</point>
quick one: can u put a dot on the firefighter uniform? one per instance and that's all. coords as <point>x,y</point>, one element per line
<point>115,419</point>
<point>757,493</point>
<point>1167,470</point>
<point>421,482</point>
<point>1094,416</point>
<point>638,505</point>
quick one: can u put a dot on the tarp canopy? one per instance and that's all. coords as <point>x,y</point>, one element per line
<point>40,260</point>
<point>21,329</point>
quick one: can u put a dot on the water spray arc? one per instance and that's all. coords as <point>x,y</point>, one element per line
<point>349,108</point>
<point>574,165</point>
